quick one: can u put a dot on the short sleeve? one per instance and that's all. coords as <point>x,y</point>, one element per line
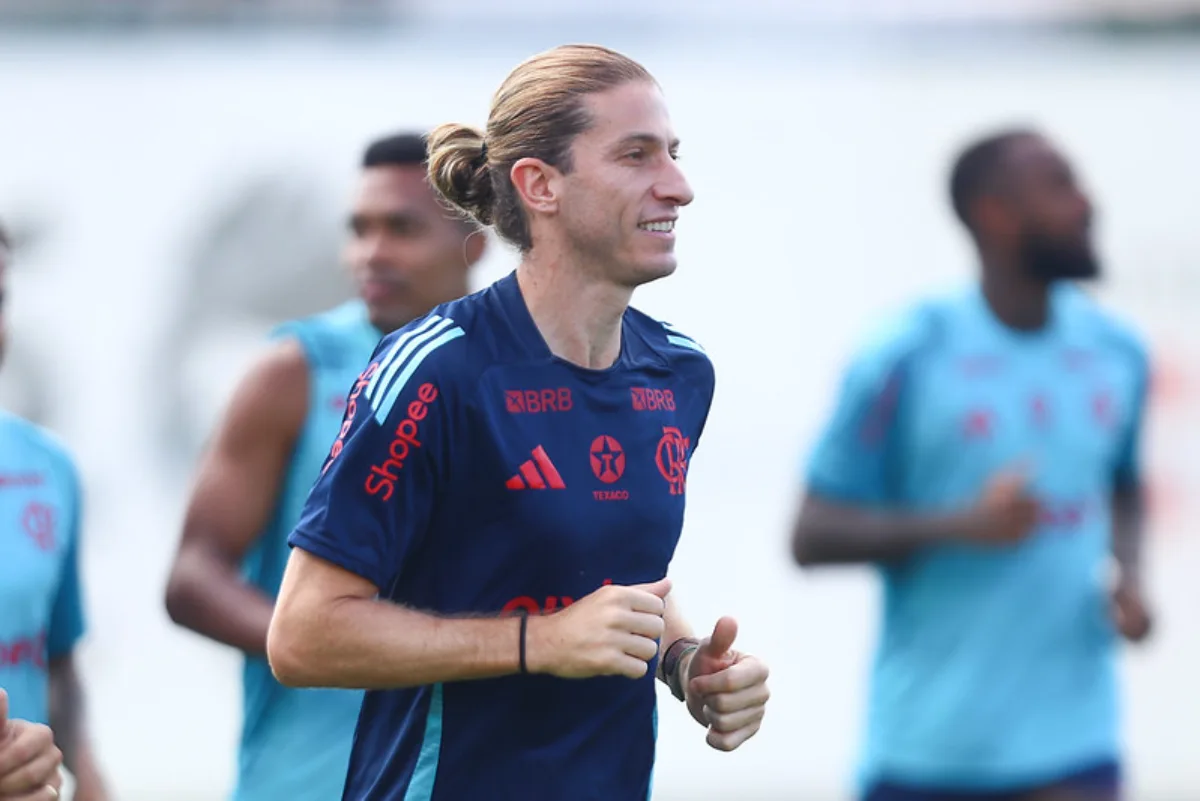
<point>1128,471</point>
<point>67,625</point>
<point>851,461</point>
<point>705,389</point>
<point>373,501</point>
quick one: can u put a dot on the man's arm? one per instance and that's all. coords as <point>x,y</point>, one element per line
<point>1132,614</point>
<point>330,630</point>
<point>827,532</point>
<point>1128,505</point>
<point>368,509</point>
<point>67,720</point>
<point>850,513</point>
<point>846,515</point>
<point>1129,517</point>
<point>1128,526</point>
<point>232,501</point>
<point>679,633</point>
<point>675,627</point>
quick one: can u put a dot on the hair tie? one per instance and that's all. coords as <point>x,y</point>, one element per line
<point>481,159</point>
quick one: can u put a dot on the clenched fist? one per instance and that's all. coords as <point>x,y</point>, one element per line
<point>612,632</point>
<point>29,760</point>
<point>1006,513</point>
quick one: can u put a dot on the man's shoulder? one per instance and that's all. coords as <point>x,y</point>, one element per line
<point>39,446</point>
<point>1102,326</point>
<point>334,338</point>
<point>448,348</point>
<point>899,335</point>
<point>679,349</point>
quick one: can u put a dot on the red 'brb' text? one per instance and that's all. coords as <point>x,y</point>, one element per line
<point>383,477</point>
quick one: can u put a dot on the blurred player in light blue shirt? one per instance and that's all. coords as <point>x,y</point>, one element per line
<point>407,255</point>
<point>41,602</point>
<point>983,452</point>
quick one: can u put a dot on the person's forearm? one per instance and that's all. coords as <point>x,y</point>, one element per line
<point>675,626</point>
<point>66,710</point>
<point>210,597</point>
<point>67,721</point>
<point>828,533</point>
<point>1128,528</point>
<point>89,783</point>
<point>371,644</point>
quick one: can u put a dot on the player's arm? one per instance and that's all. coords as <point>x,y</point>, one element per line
<point>232,501</point>
<point>848,514</point>
<point>836,532</point>
<point>678,632</point>
<point>368,512</point>
<point>331,630</point>
<point>1129,519</point>
<point>675,626</point>
<point>67,701</point>
<point>844,517</point>
<point>1128,497</point>
<point>68,721</point>
<point>676,650</point>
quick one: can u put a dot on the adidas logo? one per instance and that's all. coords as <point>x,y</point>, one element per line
<point>537,473</point>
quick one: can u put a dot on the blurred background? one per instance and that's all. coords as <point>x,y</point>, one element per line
<point>176,172</point>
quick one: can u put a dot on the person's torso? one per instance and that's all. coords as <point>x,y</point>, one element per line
<point>295,743</point>
<point>38,501</point>
<point>1000,658</point>
<point>563,480</point>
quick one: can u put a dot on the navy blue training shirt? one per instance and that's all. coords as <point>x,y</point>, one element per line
<point>477,473</point>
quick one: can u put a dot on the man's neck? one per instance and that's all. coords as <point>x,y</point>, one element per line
<point>577,314</point>
<point>1020,303</point>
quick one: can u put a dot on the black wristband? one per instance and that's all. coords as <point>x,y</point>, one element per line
<point>670,663</point>
<point>524,629</point>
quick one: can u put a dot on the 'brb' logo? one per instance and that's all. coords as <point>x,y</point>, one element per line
<point>383,477</point>
<point>351,411</point>
<point>672,458</point>
<point>532,401</point>
<point>646,399</point>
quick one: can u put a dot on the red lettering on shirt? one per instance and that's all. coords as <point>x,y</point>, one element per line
<point>383,476</point>
<point>351,411</point>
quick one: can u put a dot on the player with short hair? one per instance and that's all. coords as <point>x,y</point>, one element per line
<point>983,453</point>
<point>407,254</point>
<point>486,551</point>
<point>41,597</point>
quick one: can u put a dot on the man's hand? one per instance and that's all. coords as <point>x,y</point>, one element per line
<point>726,690</point>
<point>29,760</point>
<point>1130,614</point>
<point>1006,513</point>
<point>614,631</point>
